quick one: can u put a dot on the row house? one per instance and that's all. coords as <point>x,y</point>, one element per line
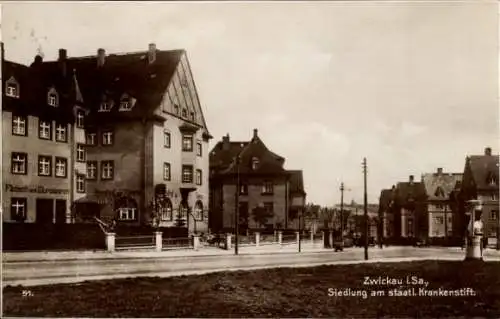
<point>141,150</point>
<point>42,124</point>
<point>443,217</point>
<point>257,174</point>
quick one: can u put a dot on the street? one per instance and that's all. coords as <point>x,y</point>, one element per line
<point>44,272</point>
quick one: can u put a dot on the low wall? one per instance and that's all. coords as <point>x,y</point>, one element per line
<point>31,236</point>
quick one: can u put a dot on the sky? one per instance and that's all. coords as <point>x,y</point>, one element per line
<point>411,86</point>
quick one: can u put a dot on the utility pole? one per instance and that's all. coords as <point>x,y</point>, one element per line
<point>300,228</point>
<point>366,209</point>
<point>342,212</point>
<point>237,210</point>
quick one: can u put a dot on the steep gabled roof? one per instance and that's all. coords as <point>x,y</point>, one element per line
<point>386,196</point>
<point>410,190</point>
<point>438,186</point>
<point>125,73</point>
<point>483,168</point>
<point>224,155</point>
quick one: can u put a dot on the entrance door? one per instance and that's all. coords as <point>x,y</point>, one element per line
<point>44,211</point>
<point>60,211</point>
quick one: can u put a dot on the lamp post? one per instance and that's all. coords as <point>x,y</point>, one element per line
<point>342,188</point>
<point>366,208</point>
<point>237,206</point>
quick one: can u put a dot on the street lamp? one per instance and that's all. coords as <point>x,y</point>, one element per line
<point>237,206</point>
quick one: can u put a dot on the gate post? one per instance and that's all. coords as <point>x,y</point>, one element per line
<point>110,242</point>
<point>159,241</point>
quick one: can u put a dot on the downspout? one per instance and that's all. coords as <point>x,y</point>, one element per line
<point>72,175</point>
<point>142,215</point>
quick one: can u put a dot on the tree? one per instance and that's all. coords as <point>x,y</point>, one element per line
<point>261,215</point>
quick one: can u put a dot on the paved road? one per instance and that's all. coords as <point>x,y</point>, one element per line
<point>64,271</point>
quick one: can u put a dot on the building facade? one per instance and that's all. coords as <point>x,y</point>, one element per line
<point>263,185</point>
<point>442,214</point>
<point>139,148</point>
<point>480,182</point>
<point>42,121</point>
<point>403,209</point>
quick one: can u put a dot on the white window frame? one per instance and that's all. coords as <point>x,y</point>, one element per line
<point>19,161</point>
<point>17,204</point>
<point>125,105</point>
<point>268,188</point>
<point>187,140</point>
<point>61,131</point>
<point>255,163</point>
<point>184,113</point>
<point>105,107</point>
<point>18,125</point>
<point>494,215</point>
<point>199,149</point>
<point>107,138</point>
<point>198,211</point>
<point>52,99</point>
<point>91,167</point>
<point>80,184</point>
<point>60,166</point>
<point>80,119</point>
<point>199,177</point>
<point>91,139</point>
<point>44,129</point>
<point>12,89</point>
<point>167,171</point>
<point>44,165</point>
<point>80,153</point>
<point>167,139</point>
<point>127,213</point>
<point>187,171</point>
<point>166,213</point>
<point>107,170</point>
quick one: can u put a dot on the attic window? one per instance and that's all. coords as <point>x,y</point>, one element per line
<point>126,103</point>
<point>439,192</point>
<point>52,98</point>
<point>105,106</point>
<point>176,109</point>
<point>12,88</point>
<point>184,113</point>
<point>492,181</point>
<point>192,116</point>
<point>255,163</point>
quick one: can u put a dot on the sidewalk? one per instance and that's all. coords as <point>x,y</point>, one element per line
<point>179,253</point>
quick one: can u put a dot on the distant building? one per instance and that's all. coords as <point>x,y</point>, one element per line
<point>404,211</point>
<point>263,182</point>
<point>480,181</point>
<point>442,215</point>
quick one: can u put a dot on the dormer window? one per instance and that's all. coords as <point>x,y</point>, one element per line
<point>52,98</point>
<point>105,106</point>
<point>192,116</point>
<point>176,109</point>
<point>492,181</point>
<point>126,103</point>
<point>184,113</point>
<point>12,88</point>
<point>255,163</point>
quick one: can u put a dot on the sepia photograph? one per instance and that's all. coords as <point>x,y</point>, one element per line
<point>250,159</point>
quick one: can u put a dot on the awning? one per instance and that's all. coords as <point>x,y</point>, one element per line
<point>100,199</point>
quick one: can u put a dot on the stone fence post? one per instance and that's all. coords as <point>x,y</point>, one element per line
<point>312,237</point>
<point>159,241</point>
<point>280,237</point>
<point>257,239</point>
<point>228,241</point>
<point>110,242</point>
<point>196,242</point>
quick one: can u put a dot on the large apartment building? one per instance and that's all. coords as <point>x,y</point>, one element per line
<point>262,181</point>
<point>129,128</point>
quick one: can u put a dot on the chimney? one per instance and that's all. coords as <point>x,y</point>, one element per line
<point>255,131</point>
<point>440,170</point>
<point>63,55</point>
<point>152,53</point>
<point>487,151</point>
<point>101,57</point>
<point>225,142</point>
<point>412,178</point>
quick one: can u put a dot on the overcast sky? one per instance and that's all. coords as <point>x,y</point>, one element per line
<point>411,86</point>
